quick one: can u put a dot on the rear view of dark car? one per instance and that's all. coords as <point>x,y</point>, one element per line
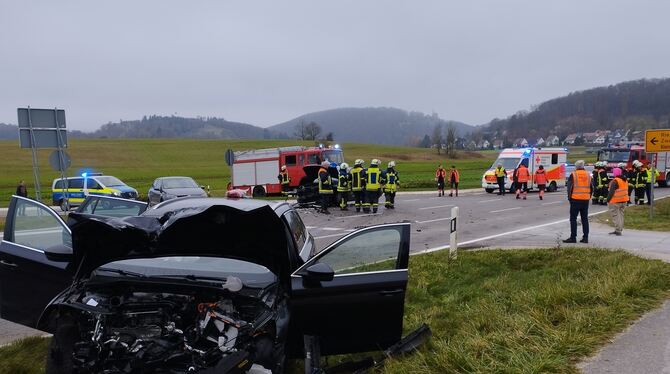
<point>166,188</point>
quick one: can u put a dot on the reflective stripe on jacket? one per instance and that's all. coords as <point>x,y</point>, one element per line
<point>581,185</point>
<point>283,178</point>
<point>325,186</point>
<point>357,176</point>
<point>343,184</point>
<point>501,172</point>
<point>621,193</point>
<point>372,182</point>
<point>391,181</point>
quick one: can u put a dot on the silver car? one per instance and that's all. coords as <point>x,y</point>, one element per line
<point>166,188</point>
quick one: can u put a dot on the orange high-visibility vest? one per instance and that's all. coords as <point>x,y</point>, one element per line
<point>621,193</point>
<point>581,185</point>
<point>522,174</point>
<point>540,177</point>
<point>440,173</point>
<point>454,174</point>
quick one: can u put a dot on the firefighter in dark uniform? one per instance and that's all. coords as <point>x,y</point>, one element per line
<point>358,184</point>
<point>604,184</point>
<point>372,187</point>
<point>629,174</point>
<point>343,185</point>
<point>284,180</point>
<point>391,182</point>
<point>325,187</point>
<point>599,180</point>
<point>640,180</point>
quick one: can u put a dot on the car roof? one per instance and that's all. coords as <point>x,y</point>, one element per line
<point>190,202</point>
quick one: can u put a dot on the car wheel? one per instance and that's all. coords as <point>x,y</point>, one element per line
<point>258,191</point>
<point>489,190</point>
<point>552,187</point>
<point>64,206</point>
<point>59,356</point>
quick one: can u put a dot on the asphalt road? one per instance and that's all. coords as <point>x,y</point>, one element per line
<point>484,219</point>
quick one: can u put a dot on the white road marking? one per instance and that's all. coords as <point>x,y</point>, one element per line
<point>553,202</point>
<point>505,210</point>
<point>435,207</point>
<point>311,227</point>
<point>411,200</point>
<point>361,215</point>
<point>434,220</point>
<point>488,201</point>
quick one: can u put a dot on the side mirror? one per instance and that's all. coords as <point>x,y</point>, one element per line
<point>319,272</point>
<point>59,253</point>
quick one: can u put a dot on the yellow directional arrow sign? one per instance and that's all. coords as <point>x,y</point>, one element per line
<point>657,140</point>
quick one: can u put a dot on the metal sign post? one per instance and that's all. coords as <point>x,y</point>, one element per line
<point>651,189</point>
<point>453,235</point>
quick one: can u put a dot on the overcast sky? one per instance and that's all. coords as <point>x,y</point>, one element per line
<point>265,62</point>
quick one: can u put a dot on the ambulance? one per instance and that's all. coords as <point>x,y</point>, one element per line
<point>553,160</point>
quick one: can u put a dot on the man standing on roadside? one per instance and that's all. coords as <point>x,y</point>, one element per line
<point>580,190</point>
<point>21,189</point>
<point>440,176</point>
<point>501,173</point>
<point>454,178</point>
<point>617,199</point>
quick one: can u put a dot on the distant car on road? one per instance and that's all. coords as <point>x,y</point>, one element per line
<point>72,191</point>
<point>166,188</point>
<point>107,206</point>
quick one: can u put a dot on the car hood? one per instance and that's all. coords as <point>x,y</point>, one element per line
<point>188,191</point>
<point>255,235</point>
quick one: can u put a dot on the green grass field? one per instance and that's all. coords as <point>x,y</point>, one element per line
<point>139,161</point>
<point>637,217</point>
<point>506,311</point>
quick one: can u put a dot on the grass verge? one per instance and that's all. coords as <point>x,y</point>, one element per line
<point>26,356</point>
<point>507,311</point>
<point>637,217</point>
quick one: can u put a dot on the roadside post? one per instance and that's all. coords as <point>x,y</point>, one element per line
<point>453,235</point>
<point>657,140</point>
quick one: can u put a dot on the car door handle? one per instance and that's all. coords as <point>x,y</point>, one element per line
<point>9,264</point>
<point>390,292</point>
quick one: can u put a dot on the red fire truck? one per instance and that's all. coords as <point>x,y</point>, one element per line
<point>614,155</point>
<point>255,171</point>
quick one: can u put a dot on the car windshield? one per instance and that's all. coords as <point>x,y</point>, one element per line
<point>252,275</point>
<point>179,183</point>
<point>109,181</point>
<point>333,156</point>
<point>614,155</point>
<point>508,163</point>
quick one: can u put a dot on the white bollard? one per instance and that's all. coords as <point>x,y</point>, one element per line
<point>453,236</point>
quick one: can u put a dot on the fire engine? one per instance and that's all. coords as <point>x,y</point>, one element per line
<point>256,171</point>
<point>615,155</point>
<point>553,160</point>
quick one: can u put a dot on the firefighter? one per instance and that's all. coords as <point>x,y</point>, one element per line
<point>604,184</point>
<point>391,183</point>
<point>343,185</point>
<point>325,186</point>
<point>284,180</point>
<point>358,184</point>
<point>650,180</point>
<point>580,189</point>
<point>372,187</point>
<point>453,181</point>
<point>541,180</point>
<point>522,176</point>
<point>598,183</point>
<point>501,174</point>
<point>440,176</point>
<point>630,177</point>
<point>640,182</point>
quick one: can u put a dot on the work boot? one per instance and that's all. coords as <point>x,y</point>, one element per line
<point>374,210</point>
<point>570,240</point>
<point>584,240</point>
<point>541,198</point>
<point>358,210</point>
<point>518,197</point>
<point>451,195</point>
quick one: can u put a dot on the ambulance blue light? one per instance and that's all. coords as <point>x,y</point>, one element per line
<point>337,146</point>
<point>84,174</point>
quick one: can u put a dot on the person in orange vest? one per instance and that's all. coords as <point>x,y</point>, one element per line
<point>580,190</point>
<point>617,199</point>
<point>522,176</point>
<point>453,181</point>
<point>541,180</point>
<point>440,176</point>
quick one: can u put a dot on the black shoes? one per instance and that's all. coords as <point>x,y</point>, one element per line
<point>584,240</point>
<point>615,233</point>
<point>570,240</point>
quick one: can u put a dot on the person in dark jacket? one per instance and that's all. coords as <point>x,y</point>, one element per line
<point>21,189</point>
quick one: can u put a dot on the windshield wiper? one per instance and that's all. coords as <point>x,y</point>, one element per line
<point>190,277</point>
<point>122,272</point>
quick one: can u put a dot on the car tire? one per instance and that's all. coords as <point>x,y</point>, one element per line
<point>552,187</point>
<point>489,190</point>
<point>59,355</point>
<point>258,191</point>
<point>64,206</point>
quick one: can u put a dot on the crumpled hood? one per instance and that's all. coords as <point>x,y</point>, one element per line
<point>255,235</point>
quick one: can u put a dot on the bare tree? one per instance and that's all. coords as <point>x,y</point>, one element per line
<point>437,137</point>
<point>312,131</point>
<point>451,140</point>
<point>301,130</point>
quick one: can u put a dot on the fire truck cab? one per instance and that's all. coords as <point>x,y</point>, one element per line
<point>256,171</point>
<point>615,155</point>
<point>552,159</point>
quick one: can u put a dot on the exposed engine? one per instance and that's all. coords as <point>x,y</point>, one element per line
<point>150,332</point>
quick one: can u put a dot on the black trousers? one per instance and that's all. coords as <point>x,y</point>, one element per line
<point>343,198</point>
<point>358,200</point>
<point>325,201</point>
<point>390,198</point>
<point>371,200</point>
<point>501,185</point>
<point>647,190</point>
<point>579,208</point>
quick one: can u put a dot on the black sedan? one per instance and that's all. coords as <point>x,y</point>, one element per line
<point>166,188</point>
<point>198,285</point>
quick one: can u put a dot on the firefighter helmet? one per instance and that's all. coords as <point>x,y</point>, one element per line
<point>283,167</point>
<point>374,162</point>
<point>391,164</point>
<point>359,162</point>
<point>344,166</point>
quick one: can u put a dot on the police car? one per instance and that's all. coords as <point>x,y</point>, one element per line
<point>73,190</point>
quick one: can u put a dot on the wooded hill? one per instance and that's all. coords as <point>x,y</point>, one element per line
<point>633,105</point>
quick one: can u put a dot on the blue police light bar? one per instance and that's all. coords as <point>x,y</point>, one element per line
<point>84,175</point>
<point>337,146</point>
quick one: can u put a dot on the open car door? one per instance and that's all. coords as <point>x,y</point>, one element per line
<point>28,280</point>
<point>360,308</point>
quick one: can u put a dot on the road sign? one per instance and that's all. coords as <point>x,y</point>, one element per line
<point>657,140</point>
<point>58,162</point>
<point>42,128</point>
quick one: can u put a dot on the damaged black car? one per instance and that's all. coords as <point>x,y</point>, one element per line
<point>198,285</point>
